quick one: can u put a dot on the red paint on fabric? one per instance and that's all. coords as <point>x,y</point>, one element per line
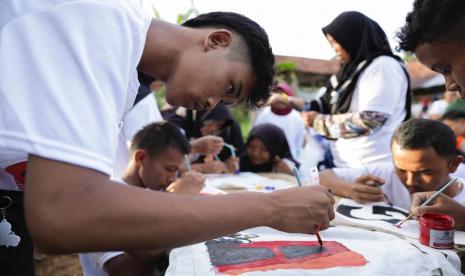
<point>333,255</point>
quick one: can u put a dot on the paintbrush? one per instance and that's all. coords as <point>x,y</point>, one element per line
<point>368,173</point>
<point>299,182</point>
<point>428,200</point>
<point>187,162</point>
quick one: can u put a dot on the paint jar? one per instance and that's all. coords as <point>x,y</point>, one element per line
<point>437,231</point>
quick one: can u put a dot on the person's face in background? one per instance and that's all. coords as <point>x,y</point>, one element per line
<point>257,152</point>
<point>422,170</point>
<point>342,54</point>
<point>208,75</point>
<point>211,127</point>
<point>458,126</point>
<point>159,172</point>
<point>447,58</point>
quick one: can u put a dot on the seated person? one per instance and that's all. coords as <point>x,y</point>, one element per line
<point>157,154</point>
<point>455,119</point>
<point>191,122</point>
<point>284,116</point>
<point>267,150</point>
<point>219,122</point>
<point>424,159</point>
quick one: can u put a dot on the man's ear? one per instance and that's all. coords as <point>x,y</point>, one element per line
<point>139,156</point>
<point>217,38</point>
<point>454,163</point>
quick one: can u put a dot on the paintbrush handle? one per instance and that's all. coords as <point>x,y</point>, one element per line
<point>297,176</point>
<point>438,192</point>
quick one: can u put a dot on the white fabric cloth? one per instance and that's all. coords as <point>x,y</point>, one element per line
<point>291,124</point>
<point>143,113</point>
<point>438,108</point>
<point>68,75</point>
<point>385,255</point>
<point>381,87</point>
<point>393,187</point>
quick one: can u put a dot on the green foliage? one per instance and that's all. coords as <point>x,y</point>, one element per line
<point>241,115</point>
<point>285,67</point>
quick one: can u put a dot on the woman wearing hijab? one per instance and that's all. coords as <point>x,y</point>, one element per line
<point>267,150</point>
<point>289,120</point>
<point>367,99</point>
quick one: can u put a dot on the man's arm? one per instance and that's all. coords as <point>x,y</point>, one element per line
<point>363,189</point>
<point>75,209</point>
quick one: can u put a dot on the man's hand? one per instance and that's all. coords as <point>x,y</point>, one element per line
<point>441,204</point>
<point>309,117</point>
<point>304,209</point>
<point>366,189</point>
<point>190,183</point>
<point>207,145</point>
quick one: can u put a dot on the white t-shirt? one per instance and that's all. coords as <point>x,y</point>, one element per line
<point>393,187</point>
<point>68,76</point>
<point>381,87</point>
<point>291,124</point>
<point>143,113</point>
<point>438,107</point>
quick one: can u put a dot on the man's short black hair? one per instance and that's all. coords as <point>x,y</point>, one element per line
<point>155,138</point>
<point>433,20</point>
<point>453,115</point>
<point>417,134</point>
<point>258,49</point>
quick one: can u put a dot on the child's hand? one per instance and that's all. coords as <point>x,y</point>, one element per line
<point>281,166</point>
<point>232,164</point>
<point>366,189</point>
<point>190,182</point>
<point>212,166</point>
<point>207,145</point>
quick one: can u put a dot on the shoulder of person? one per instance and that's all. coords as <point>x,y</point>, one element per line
<point>384,66</point>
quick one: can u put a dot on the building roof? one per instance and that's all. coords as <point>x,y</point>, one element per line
<point>421,77</point>
<point>310,65</point>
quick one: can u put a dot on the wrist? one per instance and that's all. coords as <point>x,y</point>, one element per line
<point>269,209</point>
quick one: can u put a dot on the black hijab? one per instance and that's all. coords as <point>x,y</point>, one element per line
<point>275,142</point>
<point>364,40</point>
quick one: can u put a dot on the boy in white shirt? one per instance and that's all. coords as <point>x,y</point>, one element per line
<point>85,81</point>
<point>157,155</point>
<point>424,159</point>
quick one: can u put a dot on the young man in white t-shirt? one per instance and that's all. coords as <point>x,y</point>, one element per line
<point>157,155</point>
<point>424,159</point>
<point>85,81</point>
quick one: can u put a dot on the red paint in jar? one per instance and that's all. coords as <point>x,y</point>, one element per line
<point>437,231</point>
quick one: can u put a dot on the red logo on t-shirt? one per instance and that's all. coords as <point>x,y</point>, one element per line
<point>18,171</point>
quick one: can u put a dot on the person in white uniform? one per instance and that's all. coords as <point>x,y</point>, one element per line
<point>367,99</point>
<point>423,159</point>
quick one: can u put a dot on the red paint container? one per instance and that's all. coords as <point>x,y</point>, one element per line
<point>437,231</point>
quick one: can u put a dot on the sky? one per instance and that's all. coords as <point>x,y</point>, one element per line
<point>294,26</point>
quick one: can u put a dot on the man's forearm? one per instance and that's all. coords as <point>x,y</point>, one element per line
<point>336,184</point>
<point>74,209</point>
